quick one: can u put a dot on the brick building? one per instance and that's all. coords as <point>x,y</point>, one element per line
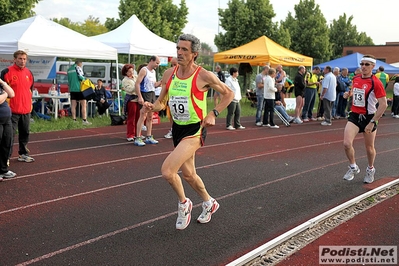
<point>388,53</point>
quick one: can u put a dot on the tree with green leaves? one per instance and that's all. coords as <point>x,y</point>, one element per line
<point>90,27</point>
<point>309,31</point>
<point>244,21</point>
<point>162,17</point>
<point>14,10</point>
<point>344,33</point>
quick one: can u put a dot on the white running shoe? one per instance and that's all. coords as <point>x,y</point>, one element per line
<point>143,128</point>
<point>184,214</point>
<point>351,173</point>
<point>369,178</point>
<point>258,124</point>
<point>169,135</point>
<point>207,211</point>
<point>230,128</point>
<point>325,123</point>
<point>297,120</point>
<point>275,126</point>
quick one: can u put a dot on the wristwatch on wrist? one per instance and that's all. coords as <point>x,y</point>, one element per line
<point>215,112</point>
<point>374,121</point>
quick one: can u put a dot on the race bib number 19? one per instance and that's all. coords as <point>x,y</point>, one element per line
<point>179,108</point>
<point>359,98</point>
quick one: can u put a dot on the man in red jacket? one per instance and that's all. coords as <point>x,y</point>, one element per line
<point>21,80</point>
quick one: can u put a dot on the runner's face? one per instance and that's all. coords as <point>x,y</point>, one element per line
<point>20,61</point>
<point>366,67</point>
<point>184,53</point>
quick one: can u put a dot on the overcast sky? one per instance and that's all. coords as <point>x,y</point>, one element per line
<point>378,19</point>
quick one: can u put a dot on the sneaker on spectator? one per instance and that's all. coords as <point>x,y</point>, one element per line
<point>144,128</point>
<point>258,124</point>
<point>306,120</point>
<point>240,127</point>
<point>207,211</point>
<point>369,178</point>
<point>297,120</point>
<point>86,123</point>
<point>325,123</point>
<point>25,158</point>
<point>7,175</point>
<point>266,125</point>
<point>168,135</point>
<point>313,119</point>
<point>292,119</point>
<point>351,173</point>
<point>320,118</point>
<point>139,142</point>
<point>230,128</point>
<point>150,140</point>
<point>274,126</point>
<point>396,116</point>
<point>184,214</point>
<point>130,139</point>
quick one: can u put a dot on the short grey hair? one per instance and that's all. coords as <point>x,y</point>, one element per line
<point>195,42</point>
<point>336,69</point>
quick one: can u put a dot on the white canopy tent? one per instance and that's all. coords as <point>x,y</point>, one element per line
<point>132,37</point>
<point>38,36</point>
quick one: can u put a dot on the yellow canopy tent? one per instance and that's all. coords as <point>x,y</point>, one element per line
<point>262,51</point>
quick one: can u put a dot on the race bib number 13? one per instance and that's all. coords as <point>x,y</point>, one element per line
<point>359,98</point>
<point>179,108</point>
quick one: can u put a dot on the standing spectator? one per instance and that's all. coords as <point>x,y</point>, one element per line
<point>320,108</point>
<point>395,104</point>
<point>186,86</point>
<point>145,90</point>
<point>384,77</point>
<point>367,91</point>
<point>299,90</point>
<point>101,98</point>
<point>234,108</point>
<point>131,101</point>
<point>328,95</point>
<point>75,77</point>
<point>259,80</point>
<point>21,80</point>
<point>281,76</point>
<point>340,88</point>
<point>222,78</point>
<point>6,134</point>
<point>342,102</point>
<point>269,95</point>
<point>310,94</point>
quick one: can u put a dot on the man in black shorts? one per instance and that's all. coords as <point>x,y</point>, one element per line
<point>299,90</point>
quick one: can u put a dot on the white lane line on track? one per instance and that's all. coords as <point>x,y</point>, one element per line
<point>125,229</point>
<point>154,177</point>
<point>204,147</point>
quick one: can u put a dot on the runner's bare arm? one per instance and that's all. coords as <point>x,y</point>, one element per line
<point>206,80</point>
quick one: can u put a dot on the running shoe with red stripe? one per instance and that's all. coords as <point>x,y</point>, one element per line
<point>207,211</point>
<point>184,214</point>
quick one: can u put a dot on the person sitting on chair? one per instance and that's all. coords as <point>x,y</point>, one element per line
<point>101,98</point>
<point>278,105</point>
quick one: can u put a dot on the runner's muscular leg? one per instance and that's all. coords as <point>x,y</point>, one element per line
<point>369,139</point>
<point>350,133</point>
<point>180,155</point>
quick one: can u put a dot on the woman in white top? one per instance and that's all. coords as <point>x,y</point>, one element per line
<point>234,108</point>
<point>269,95</point>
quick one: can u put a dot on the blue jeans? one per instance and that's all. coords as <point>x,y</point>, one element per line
<point>282,111</point>
<point>310,97</point>
<point>259,107</point>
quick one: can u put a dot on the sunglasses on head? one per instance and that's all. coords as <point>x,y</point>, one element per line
<point>365,64</point>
